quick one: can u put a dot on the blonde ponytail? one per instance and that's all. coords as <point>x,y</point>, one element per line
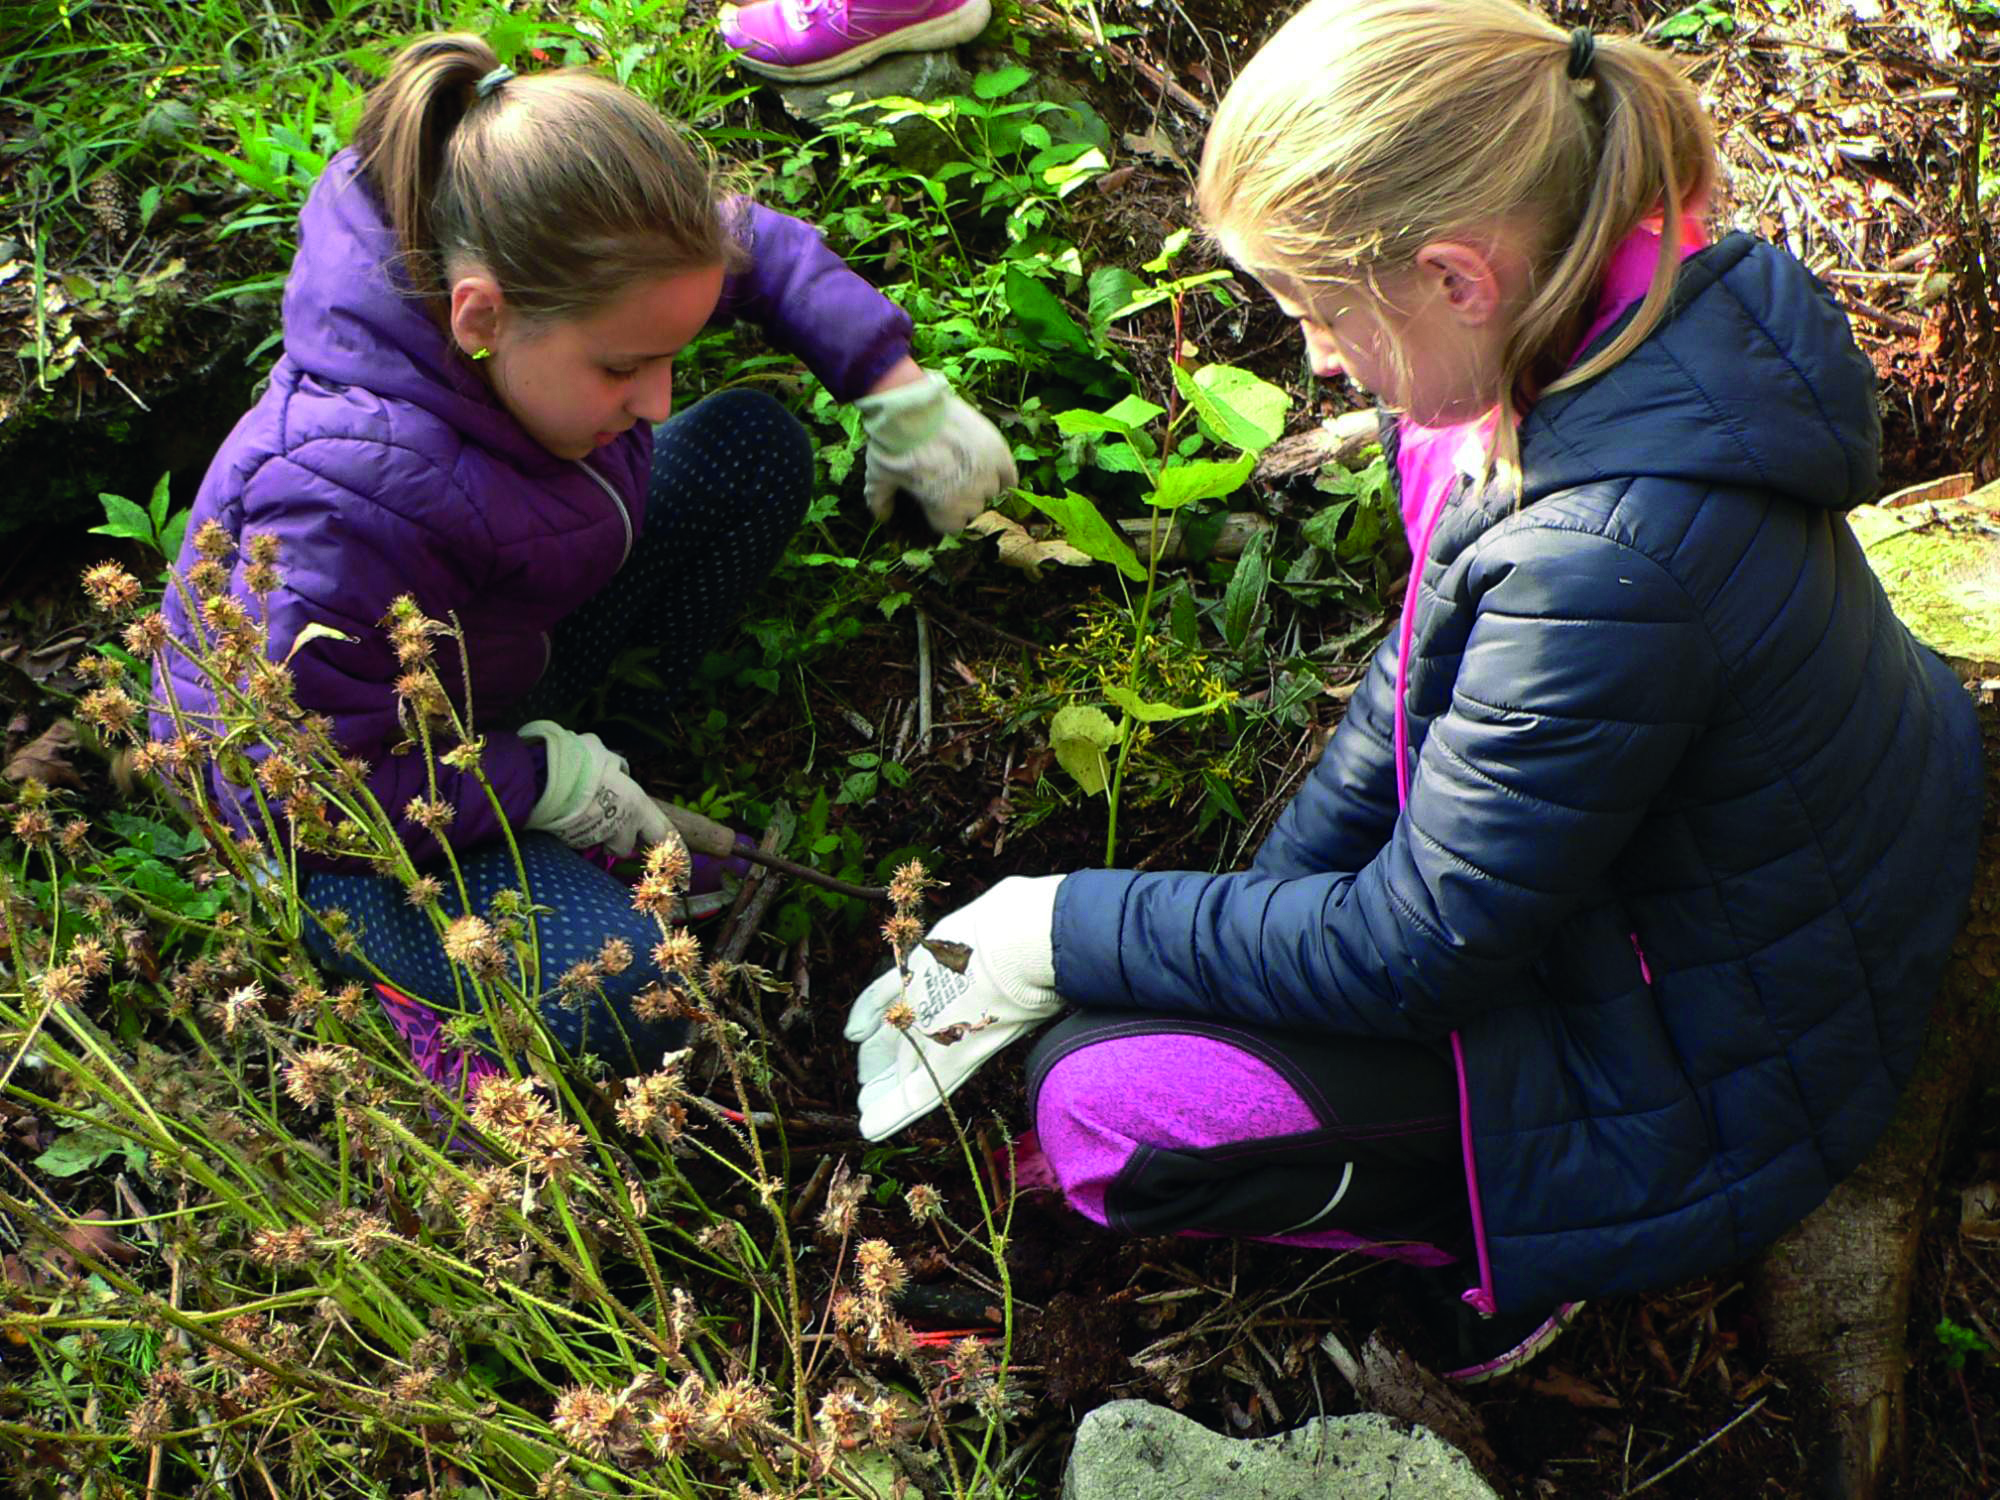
<point>565,186</point>
<point>1366,129</point>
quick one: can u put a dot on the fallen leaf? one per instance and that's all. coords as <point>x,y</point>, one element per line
<point>1018,549</point>
<point>47,758</point>
<point>954,956</point>
<point>1577,1391</point>
<point>90,1236</point>
<point>1979,1211</point>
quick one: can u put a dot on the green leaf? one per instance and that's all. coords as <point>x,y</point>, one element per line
<point>1119,458</point>
<point>1235,407</point>
<point>1086,530</point>
<point>1184,619</point>
<point>1126,418</point>
<point>123,519</point>
<point>1204,479</point>
<point>1112,289</point>
<point>1001,81</point>
<point>1322,528</point>
<point>80,1150</point>
<point>156,508</point>
<point>1080,736</point>
<point>1159,713</point>
<point>1245,594</point>
<point>1169,249</point>
<point>1042,315</point>
<point>890,603</point>
<point>172,532</point>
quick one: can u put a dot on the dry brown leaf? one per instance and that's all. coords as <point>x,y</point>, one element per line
<point>1574,1389</point>
<point>89,1236</point>
<point>46,758</point>
<point>1020,550</point>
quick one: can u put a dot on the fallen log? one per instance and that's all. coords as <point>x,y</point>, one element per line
<point>1834,1294</point>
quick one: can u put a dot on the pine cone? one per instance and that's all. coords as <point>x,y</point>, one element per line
<point>109,204</point>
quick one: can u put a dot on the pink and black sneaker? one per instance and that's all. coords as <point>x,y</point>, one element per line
<point>804,41</point>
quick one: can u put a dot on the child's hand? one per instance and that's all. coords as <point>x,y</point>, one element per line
<point>924,439</point>
<point>998,981</point>
<point>589,798</point>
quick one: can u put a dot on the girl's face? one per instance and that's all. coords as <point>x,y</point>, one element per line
<point>575,384</point>
<point>1412,347</point>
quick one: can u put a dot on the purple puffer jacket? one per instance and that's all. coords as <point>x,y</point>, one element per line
<point>384,466</point>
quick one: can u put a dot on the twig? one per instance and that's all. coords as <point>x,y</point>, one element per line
<point>814,877</point>
<point>923,682</point>
<point>1894,322</point>
<point>1698,1448</point>
<point>1125,59</point>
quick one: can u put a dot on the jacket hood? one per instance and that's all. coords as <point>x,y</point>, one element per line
<point>350,321</point>
<point>1752,381</point>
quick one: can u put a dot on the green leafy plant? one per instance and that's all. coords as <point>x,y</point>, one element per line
<point>156,525</point>
<point>1229,408</point>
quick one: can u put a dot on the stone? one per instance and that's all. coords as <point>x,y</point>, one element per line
<point>1134,1450</point>
<point>927,76</point>
<point>920,145</point>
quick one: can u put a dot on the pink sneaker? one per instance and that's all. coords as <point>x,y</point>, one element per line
<point>803,41</point>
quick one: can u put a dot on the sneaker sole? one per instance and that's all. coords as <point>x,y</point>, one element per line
<point>1522,1353</point>
<point>934,35</point>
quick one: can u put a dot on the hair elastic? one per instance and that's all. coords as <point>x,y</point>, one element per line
<point>1582,52</point>
<point>485,87</point>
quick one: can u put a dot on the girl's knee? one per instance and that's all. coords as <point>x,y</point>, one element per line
<point>774,452</point>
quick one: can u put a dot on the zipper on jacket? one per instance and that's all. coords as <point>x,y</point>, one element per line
<point>624,514</point>
<point>1645,969</point>
<point>1479,1298</point>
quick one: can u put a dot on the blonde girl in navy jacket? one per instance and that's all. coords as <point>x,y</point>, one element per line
<point>1599,946</point>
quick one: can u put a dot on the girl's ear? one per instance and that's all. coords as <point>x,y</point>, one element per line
<point>1461,278</point>
<point>476,305</point>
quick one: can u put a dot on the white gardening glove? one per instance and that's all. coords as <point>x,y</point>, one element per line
<point>1008,987</point>
<point>589,798</point>
<point>924,439</point>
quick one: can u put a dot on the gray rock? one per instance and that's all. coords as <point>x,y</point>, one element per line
<point>1134,1450</point>
<point>920,145</point>
<point>925,76</point>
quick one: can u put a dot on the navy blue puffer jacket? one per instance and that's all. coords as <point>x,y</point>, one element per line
<point>1690,825</point>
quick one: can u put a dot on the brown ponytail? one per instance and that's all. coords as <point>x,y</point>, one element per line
<point>564,186</point>
<point>1366,129</point>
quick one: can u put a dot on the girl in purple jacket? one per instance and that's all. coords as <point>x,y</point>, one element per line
<point>471,409</point>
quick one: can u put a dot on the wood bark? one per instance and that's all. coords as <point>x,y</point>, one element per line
<point>1835,1293</point>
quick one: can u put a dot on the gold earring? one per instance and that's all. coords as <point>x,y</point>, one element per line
<point>482,352</point>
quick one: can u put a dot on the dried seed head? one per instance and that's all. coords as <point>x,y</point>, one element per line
<point>908,884</point>
<point>585,1419</point>
<point>924,1202</point>
<point>844,1196</point>
<point>89,955</point>
<point>110,587</point>
<point>679,952</point>
<point>316,1076</point>
<point>900,1015</point>
<point>63,984</point>
<point>281,1247</point>
<point>212,541</point>
<point>262,547</point>
<point>208,579</point>
<point>667,861</point>
<point>110,709</point>
<point>615,957</point>
<point>734,1413</point>
<point>878,1269</point>
<point>146,635</point>
<point>673,1423</point>
<point>902,932</point>
<point>150,1421</point>
<point>34,827</point>
<point>423,891</point>
<point>469,942</point>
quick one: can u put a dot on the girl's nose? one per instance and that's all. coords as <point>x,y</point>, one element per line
<point>1320,351</point>
<point>653,394</point>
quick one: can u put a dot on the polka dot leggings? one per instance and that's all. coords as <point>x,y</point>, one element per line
<point>731,479</point>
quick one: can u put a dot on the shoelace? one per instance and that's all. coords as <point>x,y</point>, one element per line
<point>800,12</point>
